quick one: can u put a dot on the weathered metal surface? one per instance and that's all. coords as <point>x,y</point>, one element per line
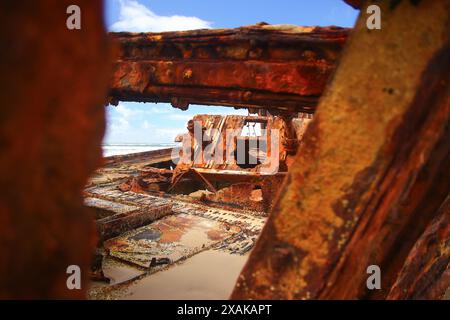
<point>215,133</point>
<point>149,157</point>
<point>356,4</point>
<point>104,208</point>
<point>281,68</point>
<point>426,273</point>
<point>114,225</point>
<point>171,238</point>
<point>147,179</point>
<point>123,166</point>
<point>258,160</point>
<point>53,84</point>
<point>191,229</point>
<point>372,169</point>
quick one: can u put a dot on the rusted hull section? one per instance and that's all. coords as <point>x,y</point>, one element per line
<point>282,68</point>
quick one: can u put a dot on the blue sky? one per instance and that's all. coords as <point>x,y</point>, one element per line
<point>159,123</point>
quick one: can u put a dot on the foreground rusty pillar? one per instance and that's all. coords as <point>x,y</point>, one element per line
<point>53,85</point>
<point>372,170</point>
<point>426,273</point>
<point>281,68</point>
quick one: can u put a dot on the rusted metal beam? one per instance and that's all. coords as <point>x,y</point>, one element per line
<point>426,273</point>
<point>372,170</point>
<point>117,224</point>
<point>204,180</point>
<point>44,227</point>
<point>282,68</point>
<point>356,4</point>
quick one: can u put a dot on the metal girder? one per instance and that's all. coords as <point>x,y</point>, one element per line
<point>282,68</point>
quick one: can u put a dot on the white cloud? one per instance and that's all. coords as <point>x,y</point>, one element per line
<point>136,17</point>
<point>145,125</point>
<point>132,122</point>
<point>127,112</point>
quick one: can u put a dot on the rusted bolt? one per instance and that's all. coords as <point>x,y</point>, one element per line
<point>247,95</point>
<point>179,103</point>
<point>309,55</point>
<point>187,74</point>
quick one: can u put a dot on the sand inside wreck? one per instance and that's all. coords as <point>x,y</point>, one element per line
<point>210,274</point>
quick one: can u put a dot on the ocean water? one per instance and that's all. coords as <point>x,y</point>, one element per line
<point>118,149</point>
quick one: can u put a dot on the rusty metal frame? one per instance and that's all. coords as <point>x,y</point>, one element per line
<point>281,68</point>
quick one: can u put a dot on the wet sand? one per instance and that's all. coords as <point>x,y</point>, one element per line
<point>207,275</point>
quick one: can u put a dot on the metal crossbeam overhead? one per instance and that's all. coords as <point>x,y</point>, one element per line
<point>280,68</point>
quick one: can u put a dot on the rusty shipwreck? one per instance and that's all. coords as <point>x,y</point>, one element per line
<point>362,173</point>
